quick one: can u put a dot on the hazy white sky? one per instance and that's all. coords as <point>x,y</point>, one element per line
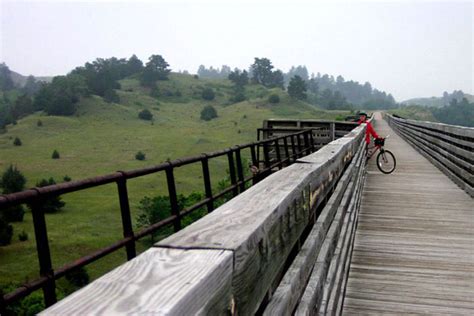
<point>407,48</point>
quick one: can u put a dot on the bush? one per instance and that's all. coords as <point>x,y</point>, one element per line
<point>52,204</point>
<point>39,123</point>
<point>110,96</point>
<point>67,178</point>
<point>55,154</point>
<point>154,92</point>
<point>196,77</point>
<point>145,115</point>
<point>17,141</point>
<point>32,305</point>
<point>274,99</point>
<point>13,213</point>
<point>78,277</point>
<point>23,236</point>
<point>208,94</point>
<point>6,232</point>
<point>140,156</point>
<point>12,180</point>
<point>238,97</point>
<point>178,93</point>
<point>208,113</point>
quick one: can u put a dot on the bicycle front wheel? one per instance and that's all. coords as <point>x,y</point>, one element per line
<point>386,162</point>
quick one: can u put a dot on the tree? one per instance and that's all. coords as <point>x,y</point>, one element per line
<point>12,181</point>
<point>277,80</point>
<point>6,232</point>
<point>140,156</point>
<point>240,79</point>
<point>156,69</point>
<point>274,98</point>
<point>17,142</point>
<point>208,113</point>
<point>208,94</point>
<point>52,204</point>
<point>55,154</point>
<point>6,82</point>
<point>145,115</point>
<point>110,96</point>
<point>31,86</point>
<point>134,65</point>
<point>297,88</point>
<point>23,106</point>
<point>60,97</point>
<point>262,71</point>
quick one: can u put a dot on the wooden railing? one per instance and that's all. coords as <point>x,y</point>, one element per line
<point>282,246</point>
<point>301,142</point>
<point>449,147</point>
<point>323,131</point>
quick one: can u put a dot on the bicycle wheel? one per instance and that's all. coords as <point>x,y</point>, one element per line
<point>386,162</point>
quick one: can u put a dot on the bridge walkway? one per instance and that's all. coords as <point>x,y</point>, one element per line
<point>414,249</point>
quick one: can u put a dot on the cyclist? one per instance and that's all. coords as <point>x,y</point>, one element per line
<point>369,130</point>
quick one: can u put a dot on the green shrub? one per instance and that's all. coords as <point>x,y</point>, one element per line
<point>6,232</point>
<point>110,96</point>
<point>17,141</point>
<point>154,92</point>
<point>52,204</point>
<point>23,236</point>
<point>145,115</point>
<point>140,156</point>
<point>67,178</point>
<point>55,154</point>
<point>12,180</point>
<point>274,99</point>
<point>78,277</point>
<point>196,77</point>
<point>208,113</point>
<point>238,97</point>
<point>13,213</point>
<point>208,94</point>
<point>39,123</point>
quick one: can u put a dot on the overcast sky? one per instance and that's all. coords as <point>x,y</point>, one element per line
<point>407,48</point>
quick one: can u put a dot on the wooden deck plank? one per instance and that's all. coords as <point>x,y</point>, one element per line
<point>414,245</point>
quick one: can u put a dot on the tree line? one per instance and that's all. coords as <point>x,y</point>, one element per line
<point>61,96</point>
<point>322,90</point>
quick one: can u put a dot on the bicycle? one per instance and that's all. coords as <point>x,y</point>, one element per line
<point>386,161</point>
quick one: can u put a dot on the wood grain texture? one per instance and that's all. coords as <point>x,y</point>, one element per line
<point>452,129</point>
<point>157,282</point>
<point>262,225</point>
<point>446,157</point>
<point>440,163</point>
<point>413,249</point>
<point>291,287</point>
<point>445,142</point>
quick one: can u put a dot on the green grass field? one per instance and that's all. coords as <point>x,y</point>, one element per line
<point>103,138</point>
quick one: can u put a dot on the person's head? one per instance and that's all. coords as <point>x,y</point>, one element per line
<point>363,116</point>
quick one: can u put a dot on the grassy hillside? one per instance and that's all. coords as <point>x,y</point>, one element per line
<point>415,112</point>
<point>104,137</point>
<point>434,101</point>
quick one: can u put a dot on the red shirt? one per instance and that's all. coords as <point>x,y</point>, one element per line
<point>369,131</point>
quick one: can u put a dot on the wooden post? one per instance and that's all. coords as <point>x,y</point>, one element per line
<point>126,218</point>
<point>44,254</point>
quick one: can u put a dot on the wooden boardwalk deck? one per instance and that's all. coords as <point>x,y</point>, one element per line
<point>414,246</point>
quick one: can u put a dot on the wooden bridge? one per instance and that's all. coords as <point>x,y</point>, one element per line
<point>327,235</point>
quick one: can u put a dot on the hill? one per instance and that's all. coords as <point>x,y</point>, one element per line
<point>20,80</point>
<point>439,101</point>
<point>104,137</point>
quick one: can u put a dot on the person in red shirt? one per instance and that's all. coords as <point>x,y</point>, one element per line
<point>369,130</point>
